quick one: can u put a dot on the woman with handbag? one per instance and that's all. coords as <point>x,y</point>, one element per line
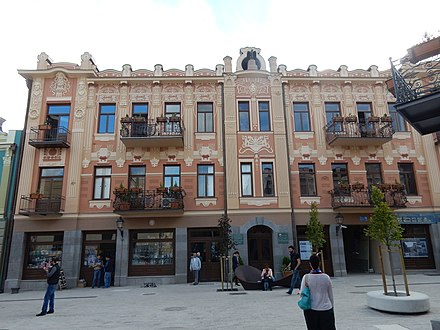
<point>320,315</point>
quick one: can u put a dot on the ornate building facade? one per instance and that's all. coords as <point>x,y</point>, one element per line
<point>141,164</point>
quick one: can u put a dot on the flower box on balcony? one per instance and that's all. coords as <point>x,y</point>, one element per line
<point>386,119</point>
<point>358,186</point>
<point>338,119</point>
<point>373,119</point>
<point>384,186</point>
<point>45,127</point>
<point>424,50</point>
<point>35,195</point>
<point>174,205</point>
<point>398,187</point>
<point>125,119</point>
<point>390,86</point>
<point>136,190</point>
<point>351,119</point>
<point>161,119</point>
<point>138,119</point>
<point>175,189</point>
<point>161,190</point>
<point>124,206</point>
<point>174,119</point>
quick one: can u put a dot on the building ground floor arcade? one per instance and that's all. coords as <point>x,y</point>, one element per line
<point>158,249</point>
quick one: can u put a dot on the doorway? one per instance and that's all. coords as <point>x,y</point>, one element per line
<point>95,243</point>
<point>260,250</point>
<point>206,241</point>
<point>356,249</point>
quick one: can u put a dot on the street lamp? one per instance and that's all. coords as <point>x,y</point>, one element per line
<point>339,219</point>
<point>120,226</point>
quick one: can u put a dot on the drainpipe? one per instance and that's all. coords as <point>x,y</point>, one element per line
<point>225,192</point>
<point>292,214</point>
<point>11,197</point>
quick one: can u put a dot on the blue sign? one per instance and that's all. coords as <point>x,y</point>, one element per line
<point>418,218</point>
<point>363,218</point>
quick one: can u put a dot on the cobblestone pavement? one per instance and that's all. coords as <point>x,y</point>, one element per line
<point>184,306</point>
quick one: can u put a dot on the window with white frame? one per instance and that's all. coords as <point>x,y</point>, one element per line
<point>246,179</point>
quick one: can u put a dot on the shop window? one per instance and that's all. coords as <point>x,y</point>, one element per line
<point>40,248</point>
<point>152,253</point>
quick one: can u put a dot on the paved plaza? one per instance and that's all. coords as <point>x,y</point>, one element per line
<point>184,306</point>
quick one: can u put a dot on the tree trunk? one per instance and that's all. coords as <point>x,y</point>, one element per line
<point>390,257</point>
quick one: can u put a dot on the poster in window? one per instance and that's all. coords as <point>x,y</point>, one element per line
<point>305,250</point>
<point>415,248</point>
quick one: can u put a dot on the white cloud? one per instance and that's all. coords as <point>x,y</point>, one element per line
<point>199,32</point>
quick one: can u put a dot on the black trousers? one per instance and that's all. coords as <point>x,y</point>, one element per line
<point>320,320</point>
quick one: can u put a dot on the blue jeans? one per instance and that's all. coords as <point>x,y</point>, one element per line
<point>49,298</point>
<point>196,276</point>
<point>107,279</point>
<point>96,278</point>
<point>295,278</point>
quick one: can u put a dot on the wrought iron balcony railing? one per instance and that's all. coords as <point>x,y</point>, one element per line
<point>350,196</point>
<point>42,205</point>
<point>359,133</point>
<point>140,131</point>
<point>149,200</point>
<point>46,136</point>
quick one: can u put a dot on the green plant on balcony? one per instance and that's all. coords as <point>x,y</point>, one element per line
<point>351,118</point>
<point>125,119</point>
<point>161,189</point>
<point>386,118</point>
<point>121,189</point>
<point>35,195</point>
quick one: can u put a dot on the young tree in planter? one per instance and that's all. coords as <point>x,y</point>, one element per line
<point>384,227</point>
<point>226,242</point>
<point>315,230</point>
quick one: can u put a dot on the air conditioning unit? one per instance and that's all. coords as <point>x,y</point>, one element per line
<point>166,202</point>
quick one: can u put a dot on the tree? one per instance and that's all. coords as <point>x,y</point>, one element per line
<point>384,227</point>
<point>226,243</point>
<point>315,230</point>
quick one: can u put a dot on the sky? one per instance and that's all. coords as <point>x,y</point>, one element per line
<point>174,33</point>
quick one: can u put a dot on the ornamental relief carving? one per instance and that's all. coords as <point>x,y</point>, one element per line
<point>206,92</point>
<point>140,93</point>
<point>81,100</point>
<point>107,93</point>
<point>172,92</point>
<point>253,87</point>
<point>37,96</point>
<point>255,144</point>
<point>60,85</point>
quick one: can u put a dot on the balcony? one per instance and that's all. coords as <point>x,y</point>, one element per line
<point>416,86</point>
<point>46,136</point>
<point>41,205</point>
<point>352,196</point>
<point>349,132</point>
<point>162,132</point>
<point>159,202</point>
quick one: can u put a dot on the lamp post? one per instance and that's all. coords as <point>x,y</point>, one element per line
<point>120,226</point>
<point>339,219</point>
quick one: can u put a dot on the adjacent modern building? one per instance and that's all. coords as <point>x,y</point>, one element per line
<point>140,165</point>
<point>9,163</point>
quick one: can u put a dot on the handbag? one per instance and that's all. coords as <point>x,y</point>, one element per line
<point>305,301</point>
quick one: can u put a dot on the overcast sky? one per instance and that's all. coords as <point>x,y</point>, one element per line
<point>202,32</point>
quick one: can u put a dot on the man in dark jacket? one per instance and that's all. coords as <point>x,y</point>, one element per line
<point>53,275</point>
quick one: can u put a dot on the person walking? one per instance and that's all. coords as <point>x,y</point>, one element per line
<point>53,276</point>
<point>97,266</point>
<point>295,262</point>
<point>195,266</point>
<point>321,316</point>
<point>108,269</point>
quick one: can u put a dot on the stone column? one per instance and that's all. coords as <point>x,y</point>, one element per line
<point>181,257</point>
<point>71,260</point>
<point>337,248</point>
<point>121,258</point>
<point>16,260</point>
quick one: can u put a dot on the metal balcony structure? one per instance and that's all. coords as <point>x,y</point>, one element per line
<point>157,203</point>
<point>44,205</point>
<point>354,133</point>
<point>351,197</point>
<point>45,136</point>
<point>416,86</point>
<point>162,132</point>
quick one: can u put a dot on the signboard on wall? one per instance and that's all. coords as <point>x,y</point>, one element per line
<point>415,248</point>
<point>238,239</point>
<point>418,218</point>
<point>283,238</point>
<point>305,250</point>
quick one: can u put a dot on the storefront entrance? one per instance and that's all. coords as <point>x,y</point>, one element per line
<point>260,250</point>
<point>205,241</point>
<point>95,243</point>
<point>356,249</point>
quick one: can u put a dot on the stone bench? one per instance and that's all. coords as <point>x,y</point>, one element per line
<point>435,324</point>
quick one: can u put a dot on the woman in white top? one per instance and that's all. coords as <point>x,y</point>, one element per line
<point>321,316</point>
<point>267,278</point>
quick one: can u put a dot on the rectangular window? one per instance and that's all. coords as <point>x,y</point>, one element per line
<point>58,117</point>
<point>205,180</point>
<point>140,110</point>
<point>136,178</point>
<point>398,122</point>
<point>267,179</point>
<point>101,189</point>
<point>301,117</point>
<point>374,174</point>
<point>106,118</point>
<point>40,248</point>
<point>244,116</point>
<point>364,111</point>
<point>51,181</point>
<point>151,252</point>
<point>172,112</point>
<point>332,109</point>
<point>264,117</point>
<point>407,178</point>
<point>246,179</point>
<point>171,176</point>
<point>307,179</point>
<point>205,118</point>
<point>340,178</point>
